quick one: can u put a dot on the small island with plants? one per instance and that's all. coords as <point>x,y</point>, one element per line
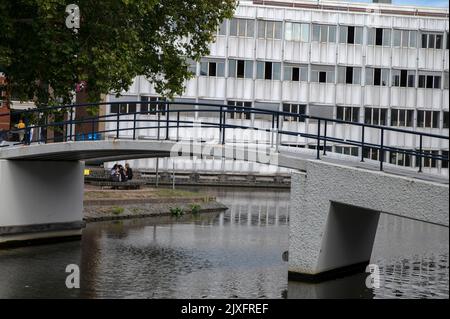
<point>101,204</point>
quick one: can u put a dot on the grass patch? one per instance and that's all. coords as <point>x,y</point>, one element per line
<point>176,211</point>
<point>117,210</point>
<point>195,208</point>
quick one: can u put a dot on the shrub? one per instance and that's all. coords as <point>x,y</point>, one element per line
<point>195,208</point>
<point>176,211</point>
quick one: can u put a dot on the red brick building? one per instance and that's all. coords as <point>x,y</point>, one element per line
<point>4,120</point>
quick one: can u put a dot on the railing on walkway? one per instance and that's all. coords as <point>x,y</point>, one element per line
<point>171,119</point>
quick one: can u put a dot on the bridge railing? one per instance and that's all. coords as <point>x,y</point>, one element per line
<point>166,116</point>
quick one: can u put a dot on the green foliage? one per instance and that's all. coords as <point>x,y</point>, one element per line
<point>117,210</point>
<point>117,40</point>
<point>195,208</point>
<point>176,211</point>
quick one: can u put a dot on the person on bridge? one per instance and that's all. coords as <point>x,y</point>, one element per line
<point>21,130</point>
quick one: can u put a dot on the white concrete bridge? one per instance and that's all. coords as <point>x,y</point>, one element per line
<point>335,199</point>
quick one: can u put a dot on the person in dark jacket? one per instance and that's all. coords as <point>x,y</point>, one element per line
<point>128,171</point>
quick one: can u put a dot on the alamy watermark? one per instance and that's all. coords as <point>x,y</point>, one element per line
<point>73,279</point>
<point>73,18</point>
<point>373,279</point>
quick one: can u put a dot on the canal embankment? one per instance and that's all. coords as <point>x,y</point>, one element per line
<point>102,205</point>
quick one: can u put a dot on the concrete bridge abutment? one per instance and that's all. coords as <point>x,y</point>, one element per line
<point>40,200</point>
<point>334,215</point>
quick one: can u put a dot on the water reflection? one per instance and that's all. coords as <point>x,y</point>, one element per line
<point>235,254</point>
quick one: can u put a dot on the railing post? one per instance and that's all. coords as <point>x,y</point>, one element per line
<point>167,120</point>
<point>420,151</point>
<point>223,128</point>
<point>272,130</point>
<point>178,126</point>
<point>382,149</point>
<point>134,125</point>
<point>318,139</point>
<point>93,128</point>
<point>278,133</point>
<point>362,142</point>
<point>220,122</point>
<point>118,123</point>
<point>159,124</point>
<point>71,122</point>
<point>325,139</point>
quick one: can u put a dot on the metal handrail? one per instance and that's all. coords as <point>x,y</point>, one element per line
<point>169,122</point>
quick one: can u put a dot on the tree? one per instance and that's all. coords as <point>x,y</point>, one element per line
<point>117,40</point>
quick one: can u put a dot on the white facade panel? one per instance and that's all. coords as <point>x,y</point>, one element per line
<point>268,49</point>
<point>240,89</point>
<point>219,47</point>
<point>404,58</point>
<point>295,91</point>
<point>241,47</point>
<point>296,51</point>
<point>322,93</point>
<point>211,87</point>
<point>268,90</point>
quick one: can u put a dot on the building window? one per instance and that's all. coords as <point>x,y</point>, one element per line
<point>296,32</point>
<point>347,113</point>
<point>349,75</point>
<point>296,109</point>
<point>323,33</point>
<point>428,119</point>
<point>402,118</point>
<point>445,122</point>
<point>400,159</point>
<point>346,150</point>
<point>429,81</point>
<point>269,29</point>
<point>379,36</point>
<point>426,161</point>
<point>212,68</point>
<point>350,34</point>
<point>431,41</point>
<point>153,108</point>
<point>235,110</point>
<point>295,73</point>
<point>375,116</point>
<point>377,76</point>
<point>268,70</point>
<point>123,108</point>
<point>373,153</point>
<point>242,27</point>
<point>322,74</point>
<point>445,80</point>
<point>409,39</point>
<point>403,78</point>
<point>240,69</point>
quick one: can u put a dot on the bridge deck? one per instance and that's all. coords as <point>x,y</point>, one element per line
<point>112,150</point>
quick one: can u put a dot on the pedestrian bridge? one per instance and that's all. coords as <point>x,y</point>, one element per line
<point>335,200</point>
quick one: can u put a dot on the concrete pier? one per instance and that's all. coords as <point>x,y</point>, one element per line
<point>335,210</point>
<point>40,200</point>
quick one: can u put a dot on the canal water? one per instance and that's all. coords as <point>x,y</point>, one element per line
<point>233,254</point>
